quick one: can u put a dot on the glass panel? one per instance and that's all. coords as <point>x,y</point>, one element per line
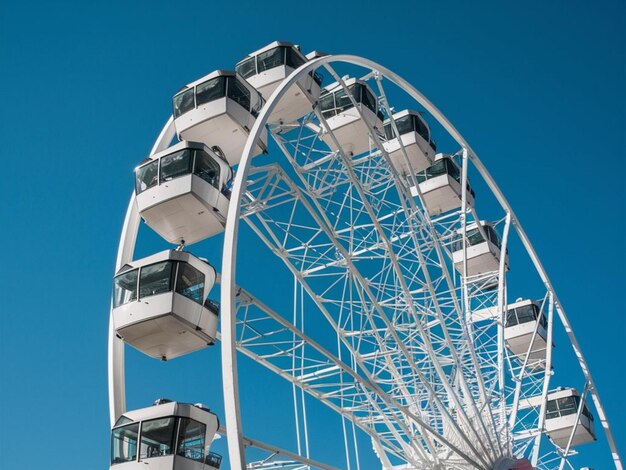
<point>421,128</point>
<point>125,288</point>
<point>567,405</point>
<point>526,314</point>
<point>207,168</point>
<point>293,58</point>
<point>212,306</point>
<point>157,437</point>
<point>190,282</point>
<point>124,444</point>
<point>405,124</point>
<point>175,165</point>
<point>239,93</point>
<point>368,99</point>
<point>437,169</point>
<point>452,169</point>
<point>183,102</point>
<point>146,176</point>
<point>270,59</point>
<point>191,439</point>
<point>155,279</point>
<point>122,420</point>
<point>210,90</point>
<point>552,410</point>
<point>247,67</point>
<point>214,460</point>
<point>342,101</point>
<point>327,105</point>
<point>511,318</point>
<point>474,237</point>
<point>317,77</point>
<point>492,235</point>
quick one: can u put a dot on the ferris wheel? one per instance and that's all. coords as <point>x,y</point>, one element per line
<point>423,339</point>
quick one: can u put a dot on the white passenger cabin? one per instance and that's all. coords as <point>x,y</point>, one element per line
<point>440,185</point>
<point>219,110</point>
<point>483,255</point>
<point>181,192</point>
<point>522,319</point>
<point>415,137</point>
<point>166,436</point>
<point>161,306</point>
<point>265,70</point>
<point>561,411</point>
<point>344,120</point>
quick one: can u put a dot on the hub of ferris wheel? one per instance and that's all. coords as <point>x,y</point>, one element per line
<point>451,326</point>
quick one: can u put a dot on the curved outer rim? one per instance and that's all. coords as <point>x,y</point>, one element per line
<point>228,293</point>
<point>116,382</point>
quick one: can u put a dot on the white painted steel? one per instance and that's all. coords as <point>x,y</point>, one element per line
<point>230,246</point>
<point>473,436</point>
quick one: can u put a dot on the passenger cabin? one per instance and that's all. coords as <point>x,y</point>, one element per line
<point>483,254</point>
<point>344,120</point>
<point>440,185</point>
<point>265,70</point>
<point>219,110</point>
<point>182,192</point>
<point>414,137</point>
<point>561,411</point>
<point>161,305</point>
<point>166,436</point>
<point>522,319</point>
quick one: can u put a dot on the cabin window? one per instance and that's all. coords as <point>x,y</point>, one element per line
<point>175,165</point>
<point>453,170</point>
<point>125,288</point>
<point>281,55</point>
<point>212,306</point>
<point>183,102</point>
<point>247,67</point>
<point>561,407</point>
<point>155,279</point>
<point>239,93</point>
<point>213,459</point>
<point>492,235</point>
<point>436,169</point>
<point>293,58</point>
<point>270,59</point>
<point>157,437</point>
<point>566,406</point>
<point>190,282</point>
<point>327,105</point>
<point>122,420</point>
<point>526,314</point>
<point>342,100</point>
<point>191,438</point>
<point>210,90</point>
<point>367,98</point>
<point>146,176</point>
<point>207,169</point>
<point>474,237</point>
<point>405,124</point>
<point>124,443</point>
<point>421,128</point>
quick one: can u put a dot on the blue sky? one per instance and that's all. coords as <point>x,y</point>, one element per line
<point>537,88</point>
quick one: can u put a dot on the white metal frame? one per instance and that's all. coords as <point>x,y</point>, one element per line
<point>479,454</point>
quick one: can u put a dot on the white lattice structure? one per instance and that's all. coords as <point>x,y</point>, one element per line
<point>419,359</point>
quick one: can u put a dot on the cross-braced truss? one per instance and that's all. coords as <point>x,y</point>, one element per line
<point>418,361</point>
